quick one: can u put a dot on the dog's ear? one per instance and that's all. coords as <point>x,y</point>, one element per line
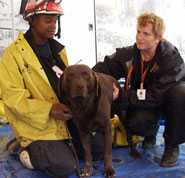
<point>96,82</point>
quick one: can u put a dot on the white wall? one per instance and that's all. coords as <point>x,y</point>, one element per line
<point>115,25</point>
<point>10,21</point>
<point>116,22</point>
<point>76,35</point>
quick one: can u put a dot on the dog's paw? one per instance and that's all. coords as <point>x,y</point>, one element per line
<point>110,173</point>
<point>87,171</point>
<point>134,153</point>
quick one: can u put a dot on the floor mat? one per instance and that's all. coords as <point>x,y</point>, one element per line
<point>125,166</point>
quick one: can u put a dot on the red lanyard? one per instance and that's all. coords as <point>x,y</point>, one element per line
<point>143,75</point>
<point>128,77</point>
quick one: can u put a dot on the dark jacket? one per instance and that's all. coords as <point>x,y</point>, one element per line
<point>169,70</point>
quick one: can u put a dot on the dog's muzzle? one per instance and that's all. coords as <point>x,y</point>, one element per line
<point>78,99</point>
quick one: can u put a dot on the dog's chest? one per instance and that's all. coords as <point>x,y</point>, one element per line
<point>89,124</point>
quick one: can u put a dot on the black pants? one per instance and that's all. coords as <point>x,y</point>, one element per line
<point>142,122</point>
<point>174,112</point>
<point>55,158</point>
<point>145,122</point>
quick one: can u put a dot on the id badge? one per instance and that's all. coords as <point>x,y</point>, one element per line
<point>57,70</point>
<point>141,94</point>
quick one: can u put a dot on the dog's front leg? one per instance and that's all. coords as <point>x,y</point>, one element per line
<point>109,171</point>
<point>88,167</point>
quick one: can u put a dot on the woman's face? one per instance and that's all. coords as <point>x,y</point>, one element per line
<point>44,26</point>
<point>145,38</point>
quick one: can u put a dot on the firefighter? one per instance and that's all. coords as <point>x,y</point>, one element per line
<point>29,71</point>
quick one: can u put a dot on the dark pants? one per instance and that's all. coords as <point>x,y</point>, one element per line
<point>174,112</point>
<point>145,122</point>
<point>55,158</point>
<point>142,122</point>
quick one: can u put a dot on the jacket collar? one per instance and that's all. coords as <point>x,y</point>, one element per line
<point>56,47</point>
<point>28,56</point>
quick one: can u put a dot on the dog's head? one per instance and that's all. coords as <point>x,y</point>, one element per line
<point>78,83</point>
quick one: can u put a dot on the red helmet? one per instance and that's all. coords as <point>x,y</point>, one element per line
<point>32,7</point>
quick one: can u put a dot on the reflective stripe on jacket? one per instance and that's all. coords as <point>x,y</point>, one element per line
<point>1,106</point>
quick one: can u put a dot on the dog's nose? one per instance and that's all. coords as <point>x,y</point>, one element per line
<point>78,99</point>
<point>80,87</point>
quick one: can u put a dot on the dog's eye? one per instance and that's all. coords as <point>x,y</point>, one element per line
<point>86,75</point>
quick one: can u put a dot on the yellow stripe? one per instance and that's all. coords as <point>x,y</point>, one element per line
<point>63,55</point>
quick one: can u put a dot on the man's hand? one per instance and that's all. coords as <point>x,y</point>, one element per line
<point>60,111</point>
<point>115,91</point>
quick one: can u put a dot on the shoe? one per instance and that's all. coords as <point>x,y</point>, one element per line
<point>170,156</point>
<point>149,142</point>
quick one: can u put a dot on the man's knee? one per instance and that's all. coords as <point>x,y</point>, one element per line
<point>142,122</point>
<point>174,102</point>
<point>55,158</point>
<point>176,93</point>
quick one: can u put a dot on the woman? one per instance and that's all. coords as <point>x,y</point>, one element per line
<point>154,85</point>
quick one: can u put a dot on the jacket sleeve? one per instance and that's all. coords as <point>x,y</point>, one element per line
<point>18,102</point>
<point>115,64</point>
<point>171,70</point>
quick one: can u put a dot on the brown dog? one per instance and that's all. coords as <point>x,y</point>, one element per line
<point>89,95</point>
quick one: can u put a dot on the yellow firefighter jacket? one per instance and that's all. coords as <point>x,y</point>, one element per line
<point>1,106</point>
<point>28,96</point>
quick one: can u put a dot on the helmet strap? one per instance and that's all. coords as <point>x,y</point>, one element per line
<point>23,5</point>
<point>59,29</point>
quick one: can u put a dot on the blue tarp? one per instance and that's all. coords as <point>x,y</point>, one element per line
<point>125,166</point>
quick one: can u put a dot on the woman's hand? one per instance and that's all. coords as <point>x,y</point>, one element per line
<point>115,91</point>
